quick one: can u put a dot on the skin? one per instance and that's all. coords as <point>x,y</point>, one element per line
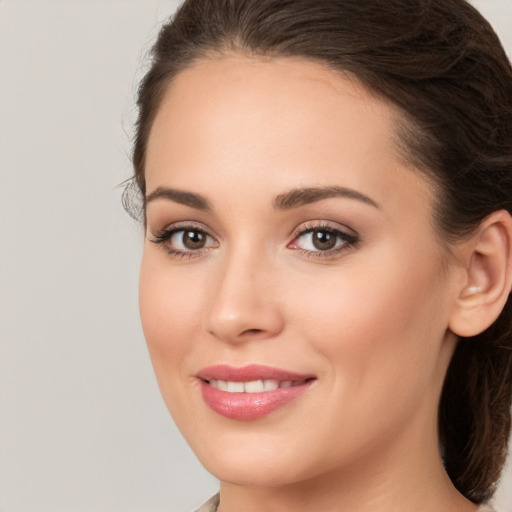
<point>370,321</point>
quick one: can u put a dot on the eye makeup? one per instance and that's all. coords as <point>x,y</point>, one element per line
<point>321,239</point>
<point>314,239</point>
<point>185,240</point>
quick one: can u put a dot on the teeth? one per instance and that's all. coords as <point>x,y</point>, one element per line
<point>270,385</point>
<point>235,387</point>
<point>253,386</point>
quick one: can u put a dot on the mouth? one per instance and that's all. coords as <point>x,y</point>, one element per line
<point>250,392</point>
<point>254,386</point>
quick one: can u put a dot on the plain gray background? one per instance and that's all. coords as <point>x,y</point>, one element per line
<point>82,424</point>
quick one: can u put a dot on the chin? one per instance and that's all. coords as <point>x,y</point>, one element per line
<point>263,473</point>
<point>258,461</point>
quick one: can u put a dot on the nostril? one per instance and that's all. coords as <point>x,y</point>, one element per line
<point>252,331</point>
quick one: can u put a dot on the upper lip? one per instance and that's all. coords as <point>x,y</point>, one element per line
<point>249,373</point>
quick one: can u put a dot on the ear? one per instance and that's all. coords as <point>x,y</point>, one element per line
<point>488,276</point>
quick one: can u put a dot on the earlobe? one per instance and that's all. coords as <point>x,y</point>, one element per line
<point>488,276</point>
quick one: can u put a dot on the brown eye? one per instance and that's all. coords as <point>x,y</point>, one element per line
<point>186,240</point>
<point>193,240</point>
<point>324,240</point>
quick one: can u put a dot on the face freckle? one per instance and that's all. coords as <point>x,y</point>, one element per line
<point>366,322</point>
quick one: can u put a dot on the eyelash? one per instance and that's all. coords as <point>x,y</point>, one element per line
<point>349,240</point>
<point>165,235</point>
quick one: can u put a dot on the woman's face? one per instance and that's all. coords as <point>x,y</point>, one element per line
<point>293,293</point>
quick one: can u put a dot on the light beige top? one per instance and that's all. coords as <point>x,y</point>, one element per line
<point>213,504</point>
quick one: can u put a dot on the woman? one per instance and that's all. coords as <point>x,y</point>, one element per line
<point>327,189</point>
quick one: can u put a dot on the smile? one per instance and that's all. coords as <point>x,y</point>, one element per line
<point>253,386</point>
<point>251,392</point>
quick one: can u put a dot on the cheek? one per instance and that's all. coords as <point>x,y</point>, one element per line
<point>371,322</point>
<point>377,342</point>
<point>169,309</point>
<point>170,304</point>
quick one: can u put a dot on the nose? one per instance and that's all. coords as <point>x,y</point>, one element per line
<point>244,301</point>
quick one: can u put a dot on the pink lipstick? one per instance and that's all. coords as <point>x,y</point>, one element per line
<point>250,392</point>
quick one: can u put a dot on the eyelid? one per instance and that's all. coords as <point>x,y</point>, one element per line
<point>347,236</point>
<point>182,223</point>
<point>322,224</point>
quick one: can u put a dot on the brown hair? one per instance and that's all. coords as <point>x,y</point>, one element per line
<point>441,63</point>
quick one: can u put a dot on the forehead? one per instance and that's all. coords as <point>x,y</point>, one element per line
<point>285,122</point>
<point>274,96</point>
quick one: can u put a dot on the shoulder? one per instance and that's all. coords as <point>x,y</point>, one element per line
<point>486,508</point>
<point>212,504</point>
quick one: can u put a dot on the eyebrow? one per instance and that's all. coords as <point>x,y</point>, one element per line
<point>287,201</point>
<point>179,196</point>
<point>303,196</point>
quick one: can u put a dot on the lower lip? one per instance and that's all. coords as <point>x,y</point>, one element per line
<point>250,406</point>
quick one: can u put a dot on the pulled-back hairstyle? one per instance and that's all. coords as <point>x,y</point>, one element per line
<point>440,62</point>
